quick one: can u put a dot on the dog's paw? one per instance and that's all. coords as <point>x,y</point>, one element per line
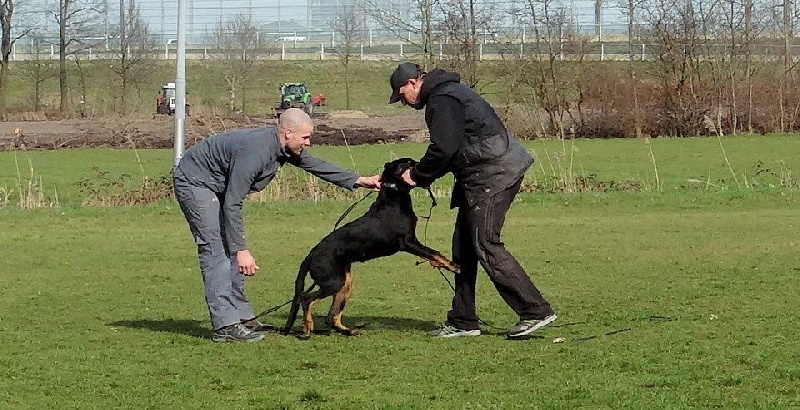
<point>440,261</point>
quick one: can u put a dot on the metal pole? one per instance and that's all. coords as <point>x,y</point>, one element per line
<point>105,13</point>
<point>122,39</point>
<point>180,82</point>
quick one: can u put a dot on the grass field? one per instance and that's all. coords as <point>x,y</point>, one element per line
<point>103,307</point>
<point>207,88</point>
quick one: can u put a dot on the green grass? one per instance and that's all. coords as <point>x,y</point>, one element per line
<point>103,307</point>
<point>369,86</point>
<point>207,88</point>
<point>684,164</point>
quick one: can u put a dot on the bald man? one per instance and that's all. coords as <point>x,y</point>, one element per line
<point>211,182</point>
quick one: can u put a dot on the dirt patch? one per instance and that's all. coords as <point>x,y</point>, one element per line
<point>157,132</point>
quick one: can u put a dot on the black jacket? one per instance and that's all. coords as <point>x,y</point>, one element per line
<point>468,139</point>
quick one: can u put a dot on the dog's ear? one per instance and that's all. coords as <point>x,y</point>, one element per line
<point>403,166</point>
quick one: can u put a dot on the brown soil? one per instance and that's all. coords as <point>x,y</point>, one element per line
<point>157,132</point>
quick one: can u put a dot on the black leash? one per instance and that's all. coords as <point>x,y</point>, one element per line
<point>430,214</point>
<point>613,332</point>
<point>347,211</point>
<point>487,324</point>
<point>275,308</point>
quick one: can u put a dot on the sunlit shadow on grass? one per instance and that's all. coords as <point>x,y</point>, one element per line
<point>195,328</point>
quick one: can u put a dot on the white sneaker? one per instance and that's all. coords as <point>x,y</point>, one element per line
<point>448,330</point>
<point>525,327</point>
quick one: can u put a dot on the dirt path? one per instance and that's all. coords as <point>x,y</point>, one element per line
<point>157,132</point>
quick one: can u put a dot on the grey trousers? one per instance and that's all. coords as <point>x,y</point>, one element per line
<point>224,285</point>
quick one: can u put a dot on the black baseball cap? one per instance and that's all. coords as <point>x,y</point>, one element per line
<point>400,76</point>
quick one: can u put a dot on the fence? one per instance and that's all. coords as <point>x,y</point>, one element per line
<point>310,50</point>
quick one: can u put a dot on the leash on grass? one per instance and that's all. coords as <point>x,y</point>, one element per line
<point>487,324</point>
<point>650,319</point>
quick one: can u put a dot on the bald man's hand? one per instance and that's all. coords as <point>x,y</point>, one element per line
<point>373,182</point>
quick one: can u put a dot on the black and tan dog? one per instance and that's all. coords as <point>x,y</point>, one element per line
<point>388,227</point>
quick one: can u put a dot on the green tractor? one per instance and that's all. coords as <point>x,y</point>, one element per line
<point>296,95</point>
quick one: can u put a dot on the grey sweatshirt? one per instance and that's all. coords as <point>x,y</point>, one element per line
<point>235,163</point>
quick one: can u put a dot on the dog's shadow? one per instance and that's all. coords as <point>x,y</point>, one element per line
<point>388,323</point>
<point>362,323</point>
<point>194,328</point>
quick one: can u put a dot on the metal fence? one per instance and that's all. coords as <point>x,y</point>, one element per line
<point>397,50</point>
<point>311,19</point>
<point>304,31</point>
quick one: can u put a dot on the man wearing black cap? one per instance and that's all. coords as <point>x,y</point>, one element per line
<point>468,139</point>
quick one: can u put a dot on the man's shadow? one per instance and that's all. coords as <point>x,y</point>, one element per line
<point>201,329</point>
<point>194,328</point>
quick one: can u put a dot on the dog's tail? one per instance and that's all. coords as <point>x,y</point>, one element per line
<point>299,283</point>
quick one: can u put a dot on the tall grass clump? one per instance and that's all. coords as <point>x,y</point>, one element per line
<point>5,194</point>
<point>560,175</point>
<point>103,190</point>
<point>652,157</point>
<point>31,190</point>
<point>772,174</point>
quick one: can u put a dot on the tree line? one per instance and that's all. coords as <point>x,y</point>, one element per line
<point>706,69</point>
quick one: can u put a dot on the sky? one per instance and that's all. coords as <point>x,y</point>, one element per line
<point>203,15</point>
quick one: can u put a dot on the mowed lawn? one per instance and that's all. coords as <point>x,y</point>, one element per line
<point>673,298</point>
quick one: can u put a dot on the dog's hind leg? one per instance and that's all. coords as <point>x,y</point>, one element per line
<point>434,257</point>
<point>308,318</point>
<point>337,306</point>
<point>330,283</point>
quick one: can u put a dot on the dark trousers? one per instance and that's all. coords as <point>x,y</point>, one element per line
<point>476,239</point>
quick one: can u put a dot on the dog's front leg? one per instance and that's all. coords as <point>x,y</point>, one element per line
<point>434,257</point>
<point>337,306</point>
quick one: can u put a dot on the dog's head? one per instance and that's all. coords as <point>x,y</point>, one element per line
<point>390,177</point>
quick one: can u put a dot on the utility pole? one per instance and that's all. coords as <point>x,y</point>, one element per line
<point>598,19</point>
<point>122,27</point>
<point>105,14</point>
<point>180,84</point>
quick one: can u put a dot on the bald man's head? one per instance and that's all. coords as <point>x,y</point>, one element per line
<point>294,117</point>
<point>294,130</point>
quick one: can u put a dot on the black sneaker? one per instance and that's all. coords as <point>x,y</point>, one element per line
<point>235,333</point>
<point>255,325</point>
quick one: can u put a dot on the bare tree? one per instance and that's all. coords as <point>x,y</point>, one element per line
<point>349,26</point>
<point>675,38</point>
<point>74,19</point>
<point>403,20</point>
<point>630,9</point>
<point>134,53</point>
<point>238,45</point>
<point>6,46</point>
<point>41,70</point>
<point>551,81</point>
<point>458,29</point>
